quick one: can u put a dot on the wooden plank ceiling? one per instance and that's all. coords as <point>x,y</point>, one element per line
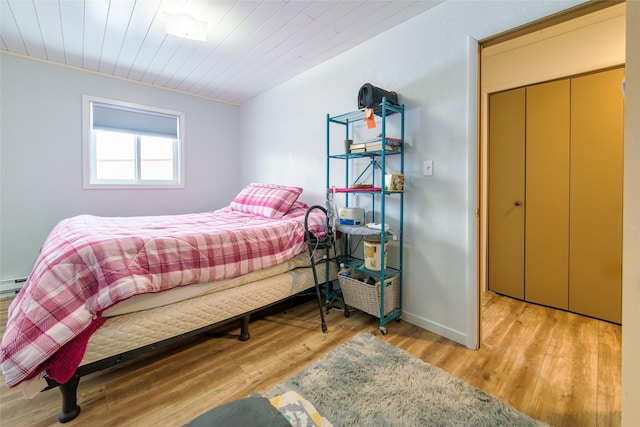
<point>251,46</point>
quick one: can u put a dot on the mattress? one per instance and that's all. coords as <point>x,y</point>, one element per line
<point>128,332</point>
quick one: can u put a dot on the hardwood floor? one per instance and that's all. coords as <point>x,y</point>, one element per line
<point>555,366</point>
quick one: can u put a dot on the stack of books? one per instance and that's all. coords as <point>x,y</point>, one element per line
<point>375,144</point>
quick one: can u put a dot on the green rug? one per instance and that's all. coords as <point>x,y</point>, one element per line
<point>367,382</point>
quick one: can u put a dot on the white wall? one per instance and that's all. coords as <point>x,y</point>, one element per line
<point>427,60</point>
<point>41,155</point>
<point>584,44</point>
<point>631,239</point>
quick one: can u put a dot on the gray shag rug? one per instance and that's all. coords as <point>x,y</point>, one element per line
<point>367,382</point>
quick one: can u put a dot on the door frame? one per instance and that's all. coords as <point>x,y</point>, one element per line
<point>478,107</point>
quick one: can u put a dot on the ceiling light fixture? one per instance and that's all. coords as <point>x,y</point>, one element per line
<point>186,26</point>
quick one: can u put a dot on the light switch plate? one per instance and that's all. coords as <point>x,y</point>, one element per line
<point>427,168</point>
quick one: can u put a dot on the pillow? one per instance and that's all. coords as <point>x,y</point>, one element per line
<point>298,208</point>
<point>267,200</point>
<point>298,410</point>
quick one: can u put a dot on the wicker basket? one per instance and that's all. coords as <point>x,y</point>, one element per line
<point>366,297</point>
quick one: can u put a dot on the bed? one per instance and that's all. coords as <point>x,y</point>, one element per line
<point>104,290</point>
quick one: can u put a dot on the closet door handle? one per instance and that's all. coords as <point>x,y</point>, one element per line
<point>516,203</point>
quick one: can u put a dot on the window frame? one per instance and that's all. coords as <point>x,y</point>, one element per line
<point>89,147</point>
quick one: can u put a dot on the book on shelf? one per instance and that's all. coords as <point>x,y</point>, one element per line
<point>378,147</point>
<point>375,144</point>
<point>397,142</point>
<point>357,148</point>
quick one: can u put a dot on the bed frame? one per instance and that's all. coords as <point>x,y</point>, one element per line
<point>266,292</point>
<point>69,390</point>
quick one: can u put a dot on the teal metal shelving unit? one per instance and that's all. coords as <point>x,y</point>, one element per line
<point>377,166</point>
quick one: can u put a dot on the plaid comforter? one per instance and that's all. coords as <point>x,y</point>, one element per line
<point>89,263</point>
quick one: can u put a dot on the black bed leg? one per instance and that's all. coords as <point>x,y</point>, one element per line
<point>244,328</point>
<point>70,408</point>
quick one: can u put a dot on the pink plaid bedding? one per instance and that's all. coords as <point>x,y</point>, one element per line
<point>89,263</point>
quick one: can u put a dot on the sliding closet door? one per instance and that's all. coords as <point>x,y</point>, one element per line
<point>547,182</point>
<point>595,274</point>
<point>506,193</point>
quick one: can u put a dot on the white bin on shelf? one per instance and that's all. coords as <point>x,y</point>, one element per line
<point>373,252</point>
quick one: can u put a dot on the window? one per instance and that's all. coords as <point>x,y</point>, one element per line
<point>131,146</point>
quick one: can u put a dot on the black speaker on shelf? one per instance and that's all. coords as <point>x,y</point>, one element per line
<point>370,96</point>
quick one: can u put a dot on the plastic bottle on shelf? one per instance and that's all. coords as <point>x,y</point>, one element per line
<point>344,271</point>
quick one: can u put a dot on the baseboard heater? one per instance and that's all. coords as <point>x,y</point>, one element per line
<point>10,287</point>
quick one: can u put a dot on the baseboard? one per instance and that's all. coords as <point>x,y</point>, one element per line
<point>436,328</point>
